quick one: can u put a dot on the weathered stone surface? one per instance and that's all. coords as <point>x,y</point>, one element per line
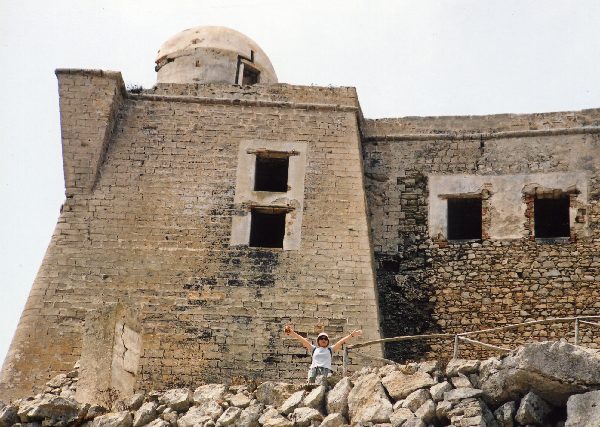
<point>48,406</point>
<point>209,392</point>
<point>239,400</point>
<point>136,401</point>
<point>249,416</point>
<point>442,409</point>
<point>414,400</point>
<point>333,420</point>
<point>461,381</point>
<point>400,416</point>
<point>292,402</point>
<point>471,412</point>
<point>196,416</point>
<point>461,366</point>
<point>8,415</point>
<point>229,417</point>
<point>458,394</point>
<point>400,385</point>
<point>426,411</point>
<point>158,423</point>
<point>272,418</point>
<point>171,417</point>
<point>583,410</point>
<point>532,410</point>
<point>316,398</point>
<point>553,370</point>
<point>414,422</point>
<point>119,419</point>
<point>367,401</point>
<point>210,408</point>
<point>145,414</point>
<point>337,398</point>
<point>274,393</point>
<point>505,414</point>
<point>304,417</point>
<point>438,390</point>
<point>178,399</point>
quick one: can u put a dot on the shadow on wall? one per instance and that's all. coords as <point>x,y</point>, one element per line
<point>404,304</point>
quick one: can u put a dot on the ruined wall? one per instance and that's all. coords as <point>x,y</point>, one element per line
<point>154,234</point>
<point>428,284</point>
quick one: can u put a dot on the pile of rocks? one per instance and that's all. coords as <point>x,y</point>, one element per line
<point>544,384</point>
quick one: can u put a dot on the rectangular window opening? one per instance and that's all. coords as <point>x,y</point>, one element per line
<point>551,217</point>
<point>251,76</point>
<point>464,218</point>
<point>267,228</point>
<point>271,174</point>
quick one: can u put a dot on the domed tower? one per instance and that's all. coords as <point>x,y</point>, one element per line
<point>213,55</point>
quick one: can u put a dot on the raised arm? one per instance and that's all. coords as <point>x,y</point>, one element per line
<point>289,330</point>
<point>354,333</point>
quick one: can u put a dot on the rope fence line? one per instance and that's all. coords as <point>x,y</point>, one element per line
<point>462,336</point>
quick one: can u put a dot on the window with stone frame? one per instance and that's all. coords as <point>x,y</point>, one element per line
<point>250,75</point>
<point>464,218</point>
<point>551,216</point>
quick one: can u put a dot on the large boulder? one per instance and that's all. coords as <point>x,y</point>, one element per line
<point>272,418</point>
<point>316,398</point>
<point>274,393</point>
<point>553,370</point>
<point>209,392</point>
<point>368,402</point>
<point>304,417</point>
<point>49,406</point>
<point>583,410</point>
<point>292,402</point>
<point>239,400</point>
<point>229,417</point>
<point>115,419</point>
<point>505,414</point>
<point>250,416</point>
<point>472,412</point>
<point>337,398</point>
<point>333,420</point>
<point>414,400</point>
<point>461,366</point>
<point>532,410</point>
<point>145,414</point>
<point>210,408</point>
<point>178,399</point>
<point>458,394</point>
<point>438,390</point>
<point>194,417</point>
<point>399,385</point>
<point>400,416</point>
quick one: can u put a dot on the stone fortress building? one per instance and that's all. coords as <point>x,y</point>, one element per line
<point>205,213</point>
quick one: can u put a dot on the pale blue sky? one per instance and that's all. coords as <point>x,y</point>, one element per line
<point>420,57</point>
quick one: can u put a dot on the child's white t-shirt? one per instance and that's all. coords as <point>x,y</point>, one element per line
<point>321,357</point>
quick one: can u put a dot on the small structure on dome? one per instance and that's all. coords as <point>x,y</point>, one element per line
<point>213,55</point>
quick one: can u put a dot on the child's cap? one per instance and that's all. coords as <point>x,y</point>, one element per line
<point>323,334</point>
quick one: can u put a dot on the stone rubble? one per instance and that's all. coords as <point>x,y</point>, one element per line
<point>366,398</point>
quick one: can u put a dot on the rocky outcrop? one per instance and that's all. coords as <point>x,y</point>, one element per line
<point>422,395</point>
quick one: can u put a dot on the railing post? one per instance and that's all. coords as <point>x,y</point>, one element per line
<point>345,360</point>
<point>455,356</point>
<point>577,331</point>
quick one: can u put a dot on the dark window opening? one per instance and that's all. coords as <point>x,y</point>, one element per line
<point>271,174</point>
<point>267,228</point>
<point>464,218</point>
<point>250,76</point>
<point>551,217</point>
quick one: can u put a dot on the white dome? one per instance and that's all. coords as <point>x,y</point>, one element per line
<point>213,55</point>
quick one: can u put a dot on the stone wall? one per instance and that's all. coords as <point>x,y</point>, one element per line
<point>153,234</point>
<point>427,284</point>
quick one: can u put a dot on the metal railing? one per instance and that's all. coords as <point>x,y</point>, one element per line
<point>463,336</point>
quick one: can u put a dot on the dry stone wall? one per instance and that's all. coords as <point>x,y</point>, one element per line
<point>427,284</point>
<point>154,235</point>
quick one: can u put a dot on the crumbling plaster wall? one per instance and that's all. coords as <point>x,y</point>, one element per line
<point>427,284</point>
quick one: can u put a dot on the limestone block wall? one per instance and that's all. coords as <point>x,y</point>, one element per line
<point>429,284</point>
<point>154,234</point>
